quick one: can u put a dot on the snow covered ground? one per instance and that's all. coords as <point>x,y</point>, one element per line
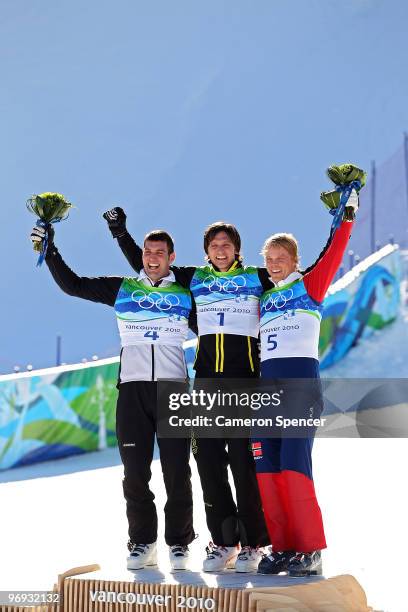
<point>58,515</point>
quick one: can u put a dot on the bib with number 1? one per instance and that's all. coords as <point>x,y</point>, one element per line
<point>290,322</point>
<point>156,315</point>
<point>227,302</point>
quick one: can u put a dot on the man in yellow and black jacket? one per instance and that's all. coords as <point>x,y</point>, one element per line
<point>226,295</point>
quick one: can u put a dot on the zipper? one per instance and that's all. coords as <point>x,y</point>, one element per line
<point>152,361</point>
<point>120,364</point>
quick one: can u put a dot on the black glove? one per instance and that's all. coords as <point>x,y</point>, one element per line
<point>37,236</point>
<point>116,218</point>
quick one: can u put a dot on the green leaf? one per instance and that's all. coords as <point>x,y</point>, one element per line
<point>331,199</point>
<point>49,206</point>
<point>345,174</point>
<point>39,206</point>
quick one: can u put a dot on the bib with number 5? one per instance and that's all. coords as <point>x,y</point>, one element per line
<point>290,322</point>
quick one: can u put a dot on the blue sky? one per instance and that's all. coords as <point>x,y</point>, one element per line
<point>183,113</point>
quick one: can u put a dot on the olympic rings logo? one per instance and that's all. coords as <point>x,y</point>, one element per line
<point>278,301</point>
<point>163,302</point>
<point>229,285</point>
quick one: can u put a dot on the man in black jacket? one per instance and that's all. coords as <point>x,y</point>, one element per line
<point>149,352</point>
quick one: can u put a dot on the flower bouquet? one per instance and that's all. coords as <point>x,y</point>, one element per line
<point>49,208</point>
<point>346,177</point>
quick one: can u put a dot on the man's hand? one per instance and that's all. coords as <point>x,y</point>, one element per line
<point>116,218</point>
<point>38,236</point>
<point>351,206</point>
<point>353,200</point>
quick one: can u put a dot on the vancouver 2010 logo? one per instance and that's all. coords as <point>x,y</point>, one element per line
<point>277,301</point>
<point>228,285</point>
<point>162,301</point>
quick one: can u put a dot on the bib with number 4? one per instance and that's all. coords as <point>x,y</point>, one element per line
<point>156,315</point>
<point>290,322</point>
<point>227,302</point>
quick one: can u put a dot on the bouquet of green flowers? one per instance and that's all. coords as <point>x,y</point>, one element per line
<point>346,177</point>
<point>49,208</point>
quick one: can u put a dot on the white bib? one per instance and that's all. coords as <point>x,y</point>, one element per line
<point>290,323</point>
<point>154,315</point>
<point>227,302</point>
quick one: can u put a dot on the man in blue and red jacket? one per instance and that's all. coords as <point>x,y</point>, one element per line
<point>290,316</point>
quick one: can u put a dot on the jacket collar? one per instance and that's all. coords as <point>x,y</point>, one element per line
<point>170,278</point>
<point>237,264</point>
<point>289,279</point>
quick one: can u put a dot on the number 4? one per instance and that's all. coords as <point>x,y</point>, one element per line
<point>151,334</point>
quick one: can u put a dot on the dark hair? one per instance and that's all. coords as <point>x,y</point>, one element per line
<point>161,236</point>
<point>220,226</point>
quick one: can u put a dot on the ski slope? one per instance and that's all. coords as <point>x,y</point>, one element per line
<point>71,512</point>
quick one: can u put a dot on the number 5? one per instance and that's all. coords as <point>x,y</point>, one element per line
<point>273,342</point>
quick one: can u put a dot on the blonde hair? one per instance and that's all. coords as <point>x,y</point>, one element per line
<point>287,241</point>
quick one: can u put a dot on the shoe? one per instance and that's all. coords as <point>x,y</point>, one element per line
<point>220,557</point>
<point>248,559</point>
<point>275,562</point>
<point>306,564</point>
<point>179,557</point>
<point>141,555</point>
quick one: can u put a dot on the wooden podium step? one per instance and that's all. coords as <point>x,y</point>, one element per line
<point>86,589</point>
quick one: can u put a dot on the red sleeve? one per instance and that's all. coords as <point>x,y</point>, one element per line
<point>318,277</point>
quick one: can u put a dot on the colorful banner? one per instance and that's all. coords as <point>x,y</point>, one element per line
<point>69,410</point>
<point>57,412</point>
<point>362,301</point>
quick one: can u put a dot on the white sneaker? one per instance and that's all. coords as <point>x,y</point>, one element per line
<point>248,559</point>
<point>179,557</point>
<point>220,557</point>
<point>141,555</point>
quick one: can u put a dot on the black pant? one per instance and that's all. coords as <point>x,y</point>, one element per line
<point>230,523</point>
<point>136,420</point>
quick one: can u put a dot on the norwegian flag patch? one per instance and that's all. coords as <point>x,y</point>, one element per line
<point>257,450</point>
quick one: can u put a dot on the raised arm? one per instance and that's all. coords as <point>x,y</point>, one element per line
<point>318,277</point>
<point>131,251</point>
<point>100,289</point>
<point>116,219</point>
